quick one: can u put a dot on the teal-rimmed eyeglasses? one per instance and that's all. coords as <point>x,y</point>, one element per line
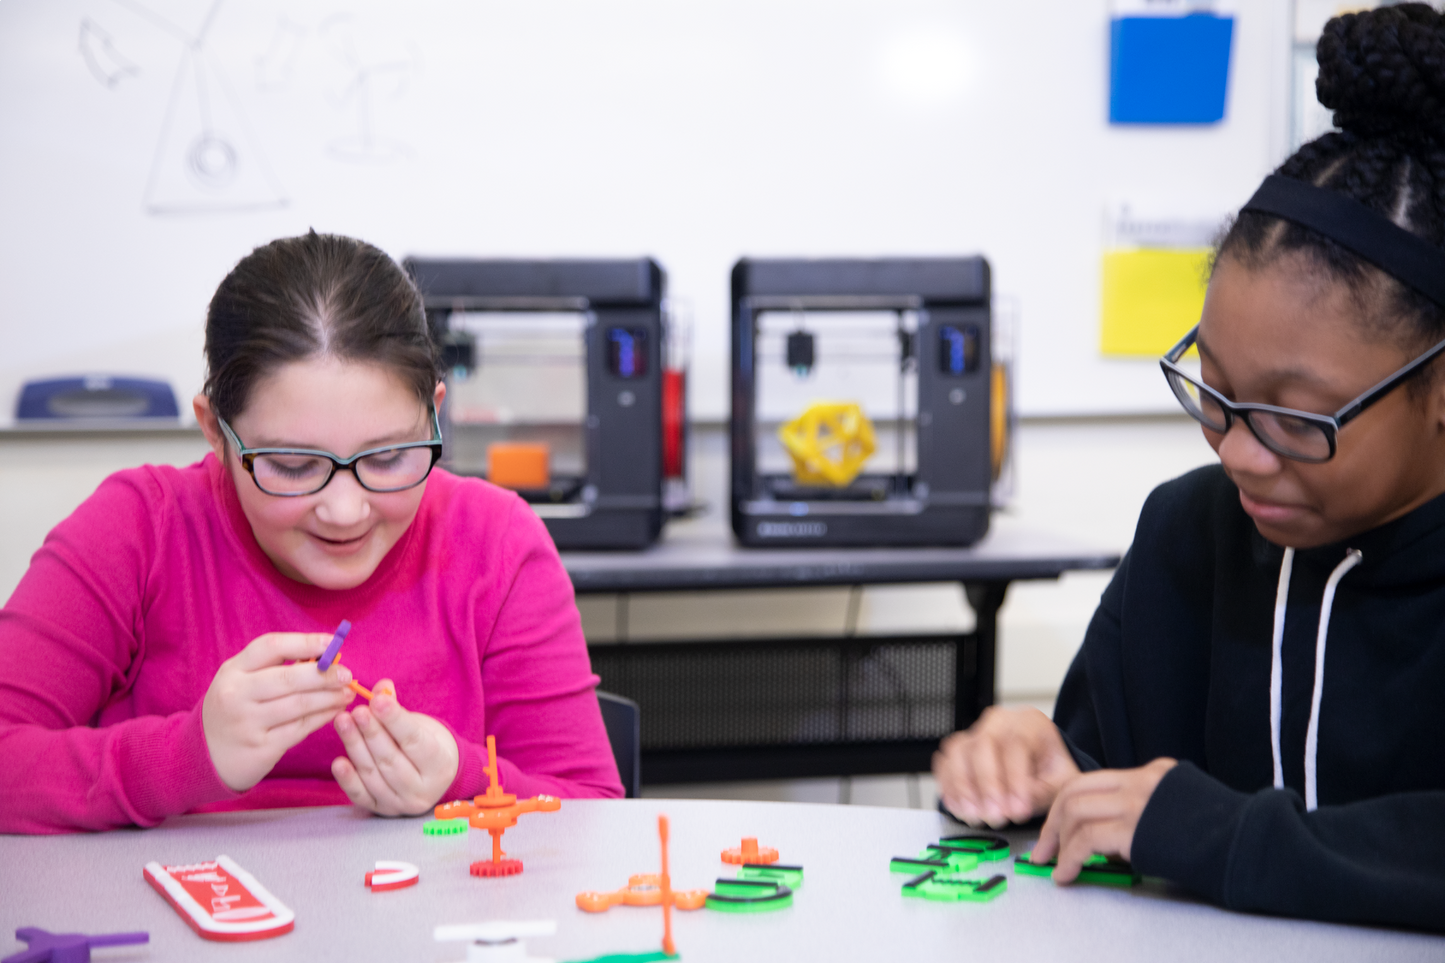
<point>292,472</point>
<point>1300,435</point>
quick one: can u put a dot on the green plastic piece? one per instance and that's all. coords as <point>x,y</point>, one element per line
<point>987,848</point>
<point>902,864</point>
<point>953,889</point>
<point>446,827</point>
<point>1097,869</point>
<point>958,860</point>
<point>790,876</point>
<point>749,896</point>
<point>650,957</point>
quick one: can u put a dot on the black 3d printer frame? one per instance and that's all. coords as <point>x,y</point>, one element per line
<point>619,506</point>
<point>949,499</point>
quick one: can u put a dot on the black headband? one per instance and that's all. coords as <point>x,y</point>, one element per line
<point>1406,257</point>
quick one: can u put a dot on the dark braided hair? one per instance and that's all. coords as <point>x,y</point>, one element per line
<point>318,294</point>
<point>1382,72</point>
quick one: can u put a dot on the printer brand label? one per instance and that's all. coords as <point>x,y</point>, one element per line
<point>792,529</point>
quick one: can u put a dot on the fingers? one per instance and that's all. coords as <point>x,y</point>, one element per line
<point>350,782</point>
<point>275,648</point>
<point>389,778</point>
<point>294,709</point>
<point>1005,768</point>
<point>1097,813</point>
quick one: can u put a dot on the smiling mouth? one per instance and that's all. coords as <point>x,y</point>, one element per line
<point>340,542</point>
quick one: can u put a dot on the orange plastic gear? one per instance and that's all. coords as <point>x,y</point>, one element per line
<point>750,852</point>
<point>496,812</point>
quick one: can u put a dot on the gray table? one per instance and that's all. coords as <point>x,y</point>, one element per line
<point>749,737</point>
<point>849,907</point>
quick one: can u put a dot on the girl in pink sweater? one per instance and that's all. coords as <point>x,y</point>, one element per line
<point>153,654</point>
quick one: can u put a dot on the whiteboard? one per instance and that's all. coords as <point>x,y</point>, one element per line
<point>149,144</point>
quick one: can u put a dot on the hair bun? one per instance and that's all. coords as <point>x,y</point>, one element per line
<point>1383,71</point>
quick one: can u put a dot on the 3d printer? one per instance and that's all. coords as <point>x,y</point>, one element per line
<point>867,407</point>
<point>562,387</point>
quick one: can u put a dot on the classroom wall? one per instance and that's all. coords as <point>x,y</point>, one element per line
<point>696,132</point>
<point>1085,479</point>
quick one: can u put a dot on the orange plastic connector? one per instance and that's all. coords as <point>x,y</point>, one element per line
<point>518,464</point>
<point>496,812</point>
<point>750,852</point>
<point>649,889</point>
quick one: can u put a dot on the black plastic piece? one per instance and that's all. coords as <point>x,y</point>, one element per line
<point>947,500</point>
<point>801,346</point>
<point>619,505</point>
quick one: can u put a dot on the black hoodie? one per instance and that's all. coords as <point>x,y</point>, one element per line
<point>1177,662</point>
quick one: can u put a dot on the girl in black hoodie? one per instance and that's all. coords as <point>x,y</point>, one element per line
<point>1258,709</point>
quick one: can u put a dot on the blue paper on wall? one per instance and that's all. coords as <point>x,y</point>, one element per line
<point>1169,70</point>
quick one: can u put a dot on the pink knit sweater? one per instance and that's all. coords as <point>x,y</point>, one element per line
<point>112,638</point>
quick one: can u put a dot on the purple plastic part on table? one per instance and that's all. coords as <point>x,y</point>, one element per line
<point>47,947</point>
<point>329,656</point>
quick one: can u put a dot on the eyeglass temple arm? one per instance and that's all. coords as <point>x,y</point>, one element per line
<point>1351,410</point>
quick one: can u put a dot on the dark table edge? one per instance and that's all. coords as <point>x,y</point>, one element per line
<point>839,573</point>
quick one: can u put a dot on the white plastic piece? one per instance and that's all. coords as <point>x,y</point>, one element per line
<point>392,874</point>
<point>497,941</point>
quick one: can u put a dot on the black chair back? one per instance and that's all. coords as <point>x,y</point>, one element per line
<point>623,720</point>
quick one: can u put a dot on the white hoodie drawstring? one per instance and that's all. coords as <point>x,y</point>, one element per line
<point>1276,666</point>
<point>1312,735</point>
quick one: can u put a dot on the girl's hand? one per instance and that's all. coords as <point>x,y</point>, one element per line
<point>1097,813</point>
<point>397,763</point>
<point>1007,767</point>
<point>258,706</point>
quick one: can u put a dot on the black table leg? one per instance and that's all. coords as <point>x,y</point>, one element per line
<point>974,683</point>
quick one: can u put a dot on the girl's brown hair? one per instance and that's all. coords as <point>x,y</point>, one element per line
<point>318,294</point>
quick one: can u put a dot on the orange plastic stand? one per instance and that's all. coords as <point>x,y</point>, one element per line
<point>517,464</point>
<point>750,852</point>
<point>649,889</point>
<point>496,812</point>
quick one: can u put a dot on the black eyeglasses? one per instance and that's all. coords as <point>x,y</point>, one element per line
<point>1301,435</point>
<point>292,472</point>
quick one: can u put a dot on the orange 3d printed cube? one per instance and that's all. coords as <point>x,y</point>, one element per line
<point>518,464</point>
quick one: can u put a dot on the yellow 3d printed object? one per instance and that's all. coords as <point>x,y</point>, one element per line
<point>829,443</point>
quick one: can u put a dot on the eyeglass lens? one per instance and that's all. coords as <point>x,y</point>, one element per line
<point>1284,434</point>
<point>391,470</point>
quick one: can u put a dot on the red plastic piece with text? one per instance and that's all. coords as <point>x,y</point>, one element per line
<point>496,812</point>
<point>221,901</point>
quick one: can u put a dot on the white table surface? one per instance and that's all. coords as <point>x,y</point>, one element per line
<point>849,907</point>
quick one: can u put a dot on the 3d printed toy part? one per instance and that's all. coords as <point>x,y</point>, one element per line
<point>985,846</point>
<point>499,941</point>
<point>750,852</point>
<point>519,465</point>
<point>648,890</point>
<point>47,947</point>
<point>496,812</point>
<point>930,862</point>
<point>392,874</point>
<point>334,649</point>
<point>1097,869</point>
<point>642,889</point>
<point>221,901</point>
<point>828,442</point>
<point>749,896</point>
<point>791,876</point>
<point>446,827</point>
<point>946,888</point>
<point>332,656</point>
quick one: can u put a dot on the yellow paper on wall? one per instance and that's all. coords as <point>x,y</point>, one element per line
<point>1151,298</point>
